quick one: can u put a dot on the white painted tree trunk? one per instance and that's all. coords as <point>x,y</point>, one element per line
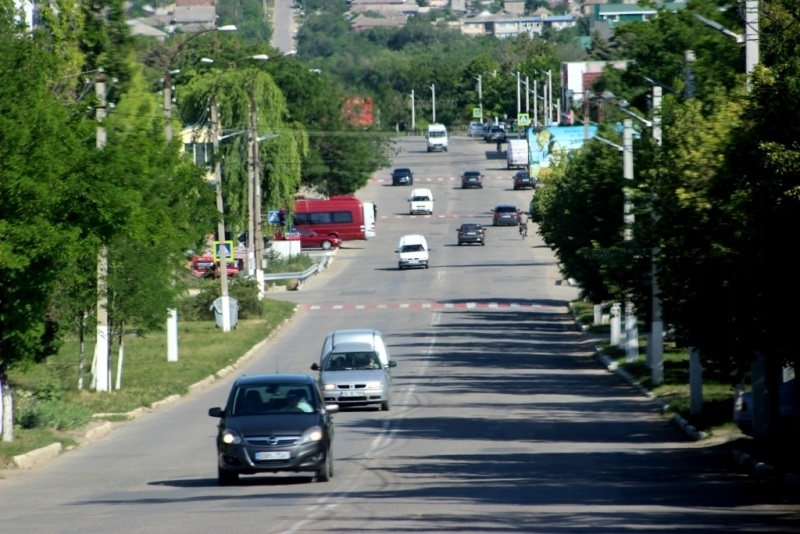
<point>120,359</point>
<point>8,413</point>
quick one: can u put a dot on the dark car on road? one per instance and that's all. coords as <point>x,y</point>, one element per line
<point>272,423</point>
<point>495,135</point>
<point>402,176</point>
<point>471,179</point>
<point>505,215</point>
<point>523,180</point>
<point>471,233</point>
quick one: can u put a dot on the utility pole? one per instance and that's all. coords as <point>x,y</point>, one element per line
<point>223,274</point>
<point>100,378</point>
<point>519,101</point>
<point>433,101</point>
<point>631,329</point>
<point>259,238</point>
<point>527,95</point>
<point>656,342</point>
<point>549,102</point>
<point>480,94</point>
<point>251,188</point>
<point>535,103</point>
<point>751,46</point>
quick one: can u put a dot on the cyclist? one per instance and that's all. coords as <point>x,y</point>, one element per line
<point>523,224</point>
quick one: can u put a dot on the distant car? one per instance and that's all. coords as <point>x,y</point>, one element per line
<point>402,176</point>
<point>471,233</point>
<point>523,180</point>
<point>496,134</point>
<point>471,179</point>
<point>271,423</point>
<point>505,215</point>
<point>311,239</point>
<point>352,375</point>
<point>475,129</point>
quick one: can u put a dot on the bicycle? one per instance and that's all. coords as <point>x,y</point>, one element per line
<point>523,230</point>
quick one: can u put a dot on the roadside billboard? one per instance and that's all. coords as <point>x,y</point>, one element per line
<point>554,141</point>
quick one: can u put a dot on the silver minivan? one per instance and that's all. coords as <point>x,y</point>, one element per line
<point>356,335</point>
<point>353,374</point>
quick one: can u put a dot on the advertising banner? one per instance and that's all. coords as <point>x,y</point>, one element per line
<point>554,141</point>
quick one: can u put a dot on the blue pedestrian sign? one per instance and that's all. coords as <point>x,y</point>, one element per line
<point>274,217</point>
<point>223,249</point>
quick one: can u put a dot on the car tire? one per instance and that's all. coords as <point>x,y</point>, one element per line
<point>326,473</point>
<point>386,405</point>
<point>326,245</point>
<point>400,266</point>
<point>426,265</point>
<point>226,478</point>
<point>483,243</point>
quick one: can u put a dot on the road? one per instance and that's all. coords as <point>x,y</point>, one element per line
<point>283,26</point>
<point>502,420</point>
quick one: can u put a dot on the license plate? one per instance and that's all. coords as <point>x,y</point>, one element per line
<point>273,455</point>
<point>351,394</point>
<point>470,233</point>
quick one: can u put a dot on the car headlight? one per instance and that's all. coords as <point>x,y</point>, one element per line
<point>231,437</point>
<point>311,435</point>
<point>374,385</point>
<point>329,387</point>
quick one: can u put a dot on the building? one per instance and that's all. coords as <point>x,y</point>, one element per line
<point>577,78</point>
<point>504,26</point>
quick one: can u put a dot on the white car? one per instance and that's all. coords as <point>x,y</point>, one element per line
<point>475,129</point>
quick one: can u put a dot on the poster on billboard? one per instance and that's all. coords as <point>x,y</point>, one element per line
<point>554,141</point>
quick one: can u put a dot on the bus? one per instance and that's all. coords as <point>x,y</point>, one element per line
<point>345,217</point>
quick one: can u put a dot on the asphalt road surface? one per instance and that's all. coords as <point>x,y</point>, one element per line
<point>501,420</point>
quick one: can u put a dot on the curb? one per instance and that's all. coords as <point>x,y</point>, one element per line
<point>750,465</point>
<point>42,455</point>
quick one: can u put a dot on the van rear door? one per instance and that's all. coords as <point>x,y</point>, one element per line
<point>370,214</point>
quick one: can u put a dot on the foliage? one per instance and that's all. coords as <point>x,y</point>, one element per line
<point>52,414</point>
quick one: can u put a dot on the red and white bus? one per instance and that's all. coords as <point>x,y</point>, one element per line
<point>345,217</point>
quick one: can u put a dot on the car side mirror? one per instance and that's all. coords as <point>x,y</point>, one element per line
<point>216,412</point>
<point>315,366</point>
<point>392,363</point>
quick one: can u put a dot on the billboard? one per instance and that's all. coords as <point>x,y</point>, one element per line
<point>554,141</point>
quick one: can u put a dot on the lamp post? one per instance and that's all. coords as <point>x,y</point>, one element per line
<point>433,101</point>
<point>413,114</point>
<point>480,94</point>
<point>750,37</point>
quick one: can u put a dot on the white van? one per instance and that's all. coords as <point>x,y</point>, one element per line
<point>412,251</point>
<point>437,137</point>
<point>420,201</point>
<point>356,335</point>
<point>370,211</point>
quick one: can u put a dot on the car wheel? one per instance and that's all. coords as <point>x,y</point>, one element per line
<point>426,265</point>
<point>400,266</point>
<point>226,478</point>
<point>326,473</point>
<point>327,245</point>
<point>385,405</point>
<point>460,243</point>
<point>483,243</point>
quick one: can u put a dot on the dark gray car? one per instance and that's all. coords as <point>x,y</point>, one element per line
<point>274,423</point>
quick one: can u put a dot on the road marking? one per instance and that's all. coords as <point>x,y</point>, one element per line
<point>471,305</point>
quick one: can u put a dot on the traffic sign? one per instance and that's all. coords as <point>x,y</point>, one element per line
<point>477,113</point>
<point>223,249</point>
<point>523,119</point>
<point>274,217</point>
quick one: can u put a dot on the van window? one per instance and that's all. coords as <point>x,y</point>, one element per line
<point>412,248</point>
<point>420,198</point>
<point>323,217</point>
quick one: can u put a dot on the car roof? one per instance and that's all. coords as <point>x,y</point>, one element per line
<point>505,206</point>
<point>471,224</point>
<point>402,169</point>
<point>274,379</point>
<point>352,347</point>
<point>472,172</point>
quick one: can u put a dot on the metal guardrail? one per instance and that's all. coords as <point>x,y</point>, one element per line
<point>301,276</point>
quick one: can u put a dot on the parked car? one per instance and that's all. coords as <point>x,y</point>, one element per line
<point>475,129</point>
<point>311,239</point>
<point>505,215</point>
<point>272,423</point>
<point>471,179</point>
<point>402,176</point>
<point>471,233</point>
<point>523,180</point>
<point>352,375</point>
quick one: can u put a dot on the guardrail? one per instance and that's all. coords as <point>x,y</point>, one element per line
<point>300,276</point>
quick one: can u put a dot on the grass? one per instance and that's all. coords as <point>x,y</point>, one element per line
<point>147,376</point>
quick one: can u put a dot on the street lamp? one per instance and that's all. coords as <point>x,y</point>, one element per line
<point>750,37</point>
<point>480,94</point>
<point>433,101</point>
<point>170,72</point>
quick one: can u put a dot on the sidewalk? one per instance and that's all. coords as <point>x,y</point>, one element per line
<point>745,453</point>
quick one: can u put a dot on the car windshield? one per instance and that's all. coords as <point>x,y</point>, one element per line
<point>471,175</point>
<point>267,399</point>
<point>505,209</point>
<point>470,227</point>
<point>412,248</point>
<point>402,172</point>
<point>352,361</point>
<point>420,198</point>
<point>523,176</point>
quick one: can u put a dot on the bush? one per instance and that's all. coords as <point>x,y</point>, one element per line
<point>52,414</point>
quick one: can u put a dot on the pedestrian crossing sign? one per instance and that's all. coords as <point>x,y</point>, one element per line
<point>523,119</point>
<point>274,217</point>
<point>223,249</point>
<point>477,113</point>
